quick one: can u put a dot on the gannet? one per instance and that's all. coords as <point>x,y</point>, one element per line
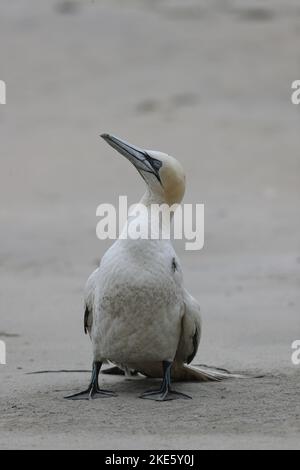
<point>137,311</point>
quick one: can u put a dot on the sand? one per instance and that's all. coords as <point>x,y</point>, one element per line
<point>210,83</point>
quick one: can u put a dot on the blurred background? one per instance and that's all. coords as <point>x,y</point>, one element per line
<point>206,81</point>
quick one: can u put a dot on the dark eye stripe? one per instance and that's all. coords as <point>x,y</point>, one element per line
<point>155,164</point>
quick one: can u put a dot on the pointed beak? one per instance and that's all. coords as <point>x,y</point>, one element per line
<point>138,157</point>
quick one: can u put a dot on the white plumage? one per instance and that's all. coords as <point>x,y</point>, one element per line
<point>138,305</point>
<point>138,313</point>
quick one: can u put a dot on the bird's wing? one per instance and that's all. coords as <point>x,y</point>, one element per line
<point>89,295</point>
<point>188,346</point>
<point>190,330</point>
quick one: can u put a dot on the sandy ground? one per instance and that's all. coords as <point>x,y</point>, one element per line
<point>210,83</point>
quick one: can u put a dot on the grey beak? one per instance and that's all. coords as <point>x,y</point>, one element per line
<point>138,157</point>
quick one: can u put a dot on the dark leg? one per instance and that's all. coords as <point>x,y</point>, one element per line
<point>93,390</point>
<point>165,392</point>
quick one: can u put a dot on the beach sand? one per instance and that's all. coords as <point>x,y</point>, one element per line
<point>210,83</point>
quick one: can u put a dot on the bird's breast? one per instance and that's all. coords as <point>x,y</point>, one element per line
<point>138,306</point>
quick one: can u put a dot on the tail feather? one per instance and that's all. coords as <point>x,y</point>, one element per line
<point>180,372</point>
<point>193,373</point>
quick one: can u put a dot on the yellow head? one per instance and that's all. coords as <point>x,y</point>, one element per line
<point>162,173</point>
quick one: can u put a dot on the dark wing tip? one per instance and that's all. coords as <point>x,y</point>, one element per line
<point>86,318</point>
<point>195,346</point>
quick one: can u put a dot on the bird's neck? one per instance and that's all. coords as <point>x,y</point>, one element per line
<point>153,214</point>
<point>151,197</point>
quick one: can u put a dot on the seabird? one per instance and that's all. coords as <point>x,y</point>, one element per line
<point>137,312</point>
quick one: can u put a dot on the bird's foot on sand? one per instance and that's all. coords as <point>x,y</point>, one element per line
<point>164,395</point>
<point>93,391</point>
<point>92,395</point>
